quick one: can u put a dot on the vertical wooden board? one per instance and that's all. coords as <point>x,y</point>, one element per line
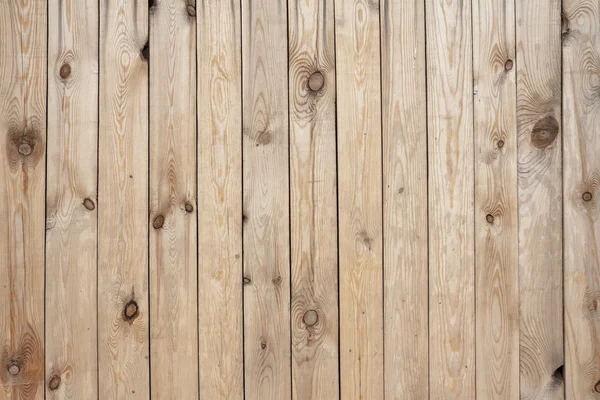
<point>581,175</point>
<point>266,200</point>
<point>220,200</point>
<point>71,241</point>
<point>123,353</point>
<point>451,200</point>
<point>359,197</point>
<point>405,199</point>
<point>496,219</point>
<point>313,200</point>
<point>173,252</point>
<point>540,198</point>
<point>22,185</point>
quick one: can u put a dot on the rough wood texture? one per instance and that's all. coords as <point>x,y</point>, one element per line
<point>359,197</point>
<point>266,200</point>
<point>451,236</point>
<point>71,229</point>
<point>22,183</point>
<point>496,223</point>
<point>173,251</point>
<point>540,202</point>
<point>581,174</point>
<point>220,199</point>
<point>405,198</point>
<point>313,201</point>
<point>123,201</point>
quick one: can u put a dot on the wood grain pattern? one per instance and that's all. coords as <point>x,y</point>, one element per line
<point>173,251</point>
<point>451,176</point>
<point>71,197</point>
<point>496,215</point>
<point>123,201</point>
<point>359,198</point>
<point>266,200</point>
<point>23,26</point>
<point>405,199</point>
<point>313,200</point>
<point>540,200</point>
<point>581,175</point>
<point>220,199</point>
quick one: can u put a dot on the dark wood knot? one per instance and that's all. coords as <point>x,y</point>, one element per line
<point>189,207</point>
<point>246,280</point>
<point>489,218</point>
<point>25,148</point>
<point>191,10</point>
<point>310,317</point>
<point>500,143</point>
<point>65,71</point>
<point>54,382</point>
<point>316,81</point>
<point>587,196</point>
<point>277,280</point>
<point>146,51</point>
<point>263,345</point>
<point>597,387</point>
<point>89,204</point>
<point>544,132</point>
<point>131,311</point>
<point>508,65</point>
<point>14,369</point>
<point>158,222</point>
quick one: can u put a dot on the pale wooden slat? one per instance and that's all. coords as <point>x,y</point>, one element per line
<point>173,252</point>
<point>451,197</point>
<point>496,223</point>
<point>405,199</point>
<point>71,241</point>
<point>220,199</point>
<point>266,200</point>
<point>22,184</point>
<point>313,200</point>
<point>581,174</point>
<point>123,353</point>
<point>540,203</point>
<point>359,196</point>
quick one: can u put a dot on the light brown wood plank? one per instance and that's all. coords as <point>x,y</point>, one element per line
<point>581,175</point>
<point>23,28</point>
<point>266,200</point>
<point>359,196</point>
<point>540,200</point>
<point>123,202</point>
<point>71,197</point>
<point>313,200</point>
<point>496,218</point>
<point>405,199</point>
<point>173,252</point>
<point>451,197</point>
<point>220,199</point>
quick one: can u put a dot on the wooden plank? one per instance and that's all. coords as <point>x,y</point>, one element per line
<point>405,198</point>
<point>220,200</point>
<point>173,252</point>
<point>359,196</point>
<point>496,223</point>
<point>581,176</point>
<point>266,200</point>
<point>313,200</point>
<point>71,233</point>
<point>451,197</point>
<point>23,28</point>
<point>123,357</point>
<point>540,202</point>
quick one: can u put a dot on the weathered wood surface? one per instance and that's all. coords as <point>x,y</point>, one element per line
<point>173,232</point>
<point>496,223</point>
<point>23,55</point>
<point>71,200</point>
<point>267,353</point>
<point>123,313</point>
<point>581,191</point>
<point>451,200</point>
<point>307,199</point>
<point>313,203</point>
<point>405,198</point>
<point>540,198</point>
<point>220,200</point>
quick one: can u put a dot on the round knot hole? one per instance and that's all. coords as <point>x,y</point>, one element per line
<point>25,149</point>
<point>587,196</point>
<point>500,144</point>
<point>310,317</point>
<point>508,65</point>
<point>89,204</point>
<point>189,207</point>
<point>131,310</point>
<point>14,369</point>
<point>489,218</point>
<point>54,382</point>
<point>65,71</point>
<point>316,81</point>
<point>158,222</point>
